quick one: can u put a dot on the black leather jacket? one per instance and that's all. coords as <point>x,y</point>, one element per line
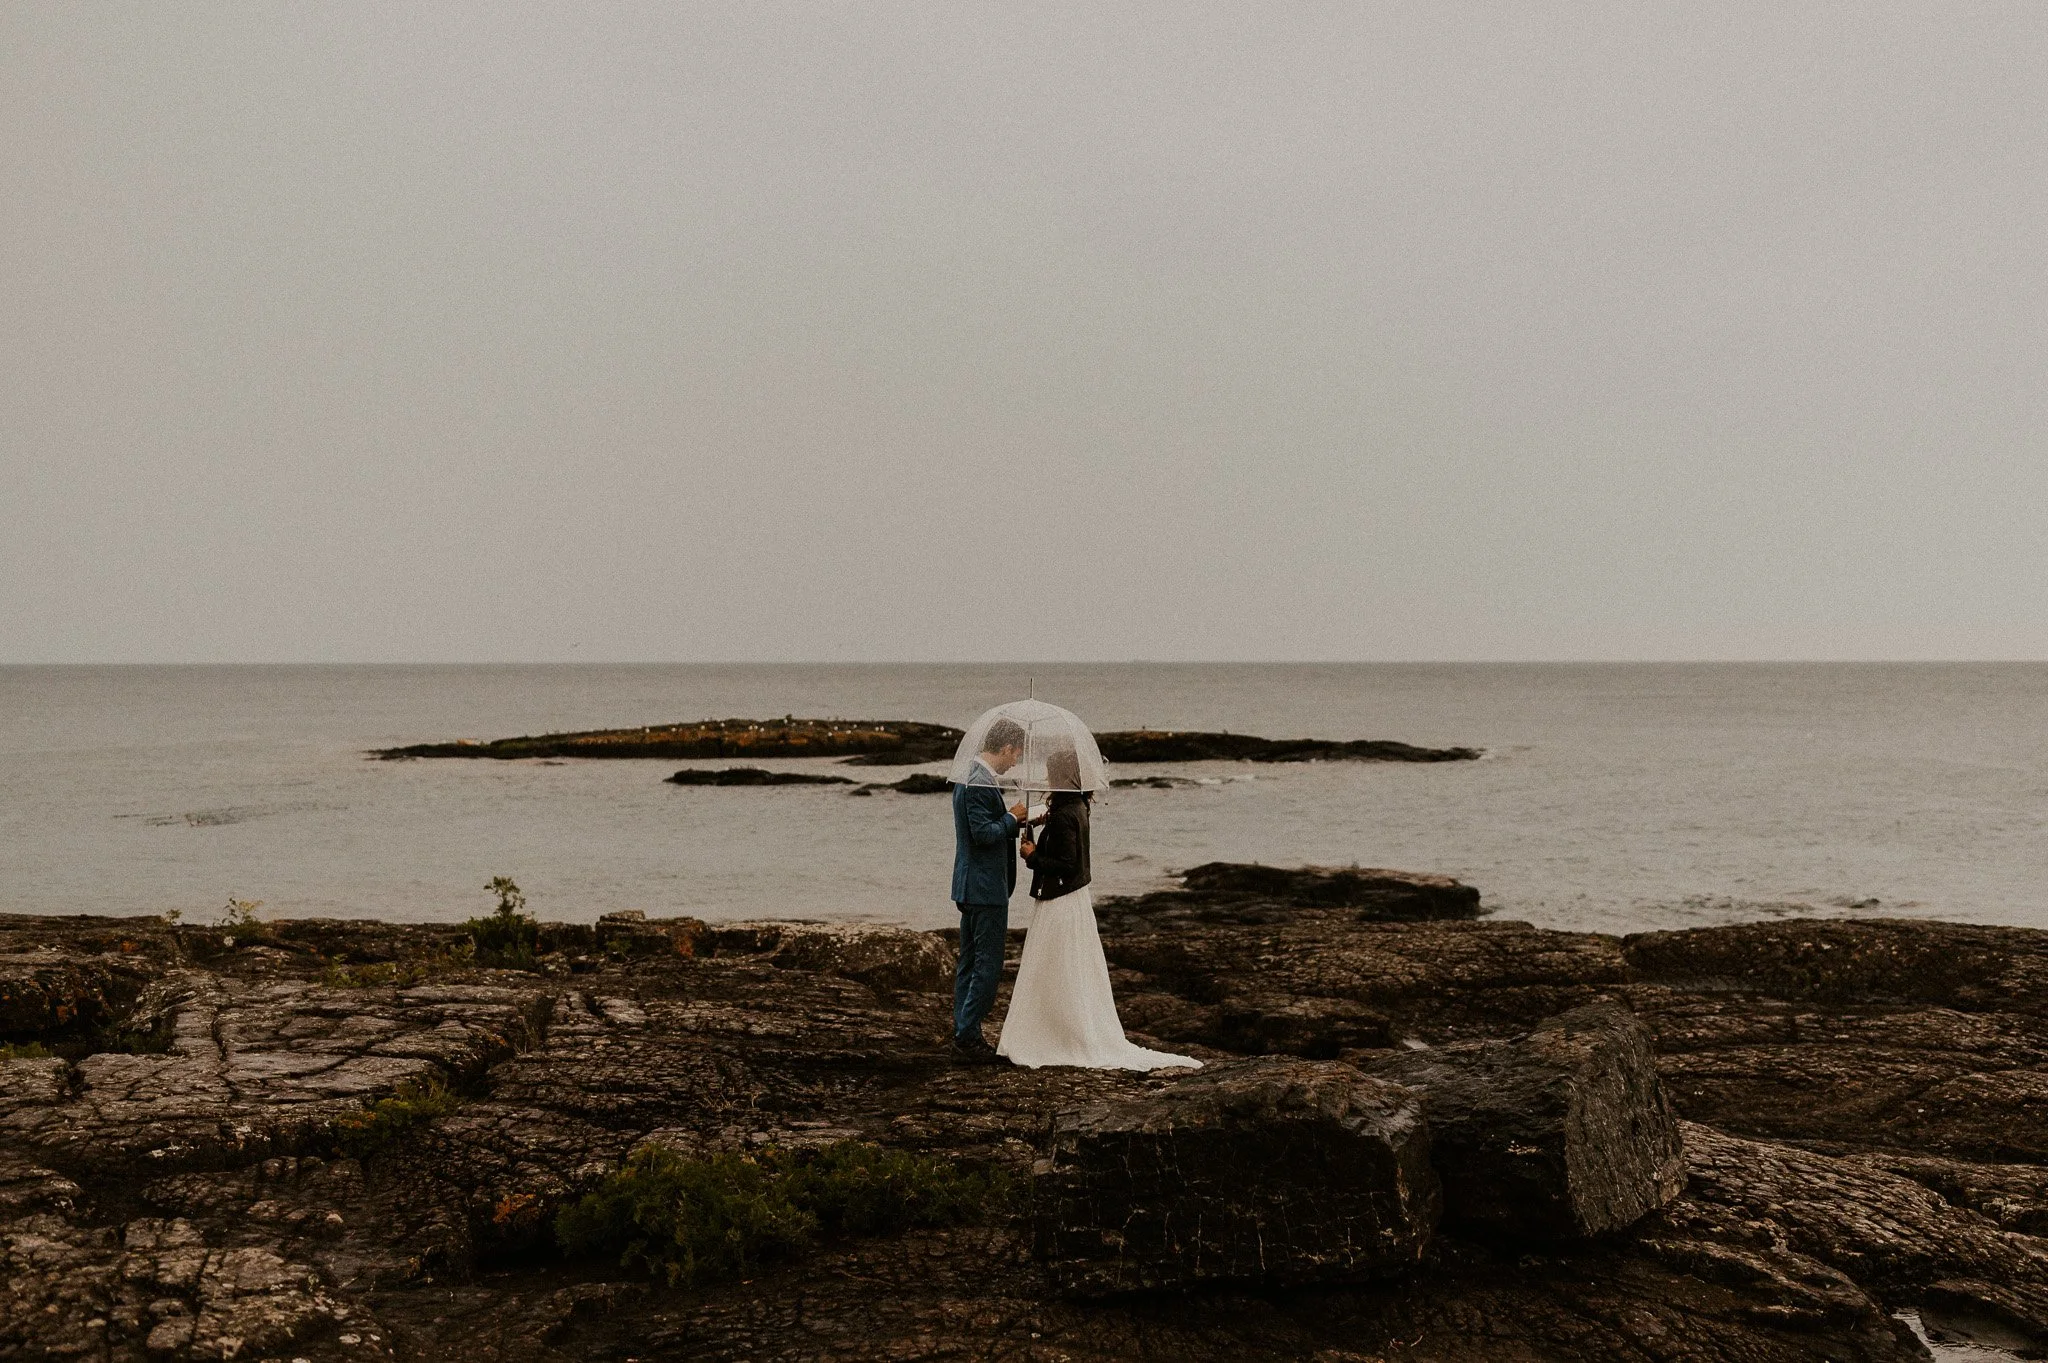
<point>1059,864</point>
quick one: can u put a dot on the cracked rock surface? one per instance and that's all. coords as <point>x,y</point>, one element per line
<point>1865,1132</point>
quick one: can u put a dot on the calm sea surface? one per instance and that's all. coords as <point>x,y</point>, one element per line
<point>1613,797</point>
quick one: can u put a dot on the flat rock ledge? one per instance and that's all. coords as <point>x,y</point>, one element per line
<point>1859,1107</point>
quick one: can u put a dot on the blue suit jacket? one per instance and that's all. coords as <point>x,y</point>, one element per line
<point>984,846</point>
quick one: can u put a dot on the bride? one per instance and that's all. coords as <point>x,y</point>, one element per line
<point>1062,1011</point>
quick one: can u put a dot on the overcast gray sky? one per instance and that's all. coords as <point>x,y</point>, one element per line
<point>991,331</point>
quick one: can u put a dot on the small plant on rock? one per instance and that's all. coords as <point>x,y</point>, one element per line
<point>369,975</point>
<point>692,1220</point>
<point>511,899</point>
<point>413,1104</point>
<point>241,922</point>
<point>25,1050</point>
<point>508,937</point>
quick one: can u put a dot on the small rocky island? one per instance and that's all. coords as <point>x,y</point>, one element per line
<point>917,783</point>
<point>1419,1134</point>
<point>752,776</point>
<point>1166,745</point>
<point>895,742</point>
<point>901,742</point>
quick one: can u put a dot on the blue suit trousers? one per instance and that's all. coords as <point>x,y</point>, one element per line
<point>984,930</point>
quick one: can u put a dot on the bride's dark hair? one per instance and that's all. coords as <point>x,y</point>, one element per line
<point>1063,774</point>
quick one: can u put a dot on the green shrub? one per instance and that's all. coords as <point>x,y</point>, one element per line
<point>688,1220</point>
<point>26,1050</point>
<point>859,1189</point>
<point>692,1220</point>
<point>414,1103</point>
<point>508,937</point>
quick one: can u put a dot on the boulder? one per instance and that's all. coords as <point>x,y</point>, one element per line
<point>1265,1171</point>
<point>631,933</point>
<point>1560,1134</point>
<point>623,932</point>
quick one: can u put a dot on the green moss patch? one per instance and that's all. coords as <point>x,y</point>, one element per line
<point>414,1104</point>
<point>689,1221</point>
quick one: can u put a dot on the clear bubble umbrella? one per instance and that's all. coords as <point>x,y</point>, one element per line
<point>1056,750</point>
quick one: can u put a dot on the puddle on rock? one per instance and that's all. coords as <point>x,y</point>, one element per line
<point>1967,1339</point>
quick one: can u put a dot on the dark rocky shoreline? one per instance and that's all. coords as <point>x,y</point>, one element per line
<point>1854,1110</point>
<point>905,743</point>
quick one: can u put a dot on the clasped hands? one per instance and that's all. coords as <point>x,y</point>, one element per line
<point>1017,812</point>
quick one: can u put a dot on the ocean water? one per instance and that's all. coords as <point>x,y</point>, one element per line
<point>1613,797</point>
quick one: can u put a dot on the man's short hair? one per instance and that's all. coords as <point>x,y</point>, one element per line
<point>1003,733</point>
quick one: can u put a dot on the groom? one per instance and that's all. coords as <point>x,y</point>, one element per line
<point>984,874</point>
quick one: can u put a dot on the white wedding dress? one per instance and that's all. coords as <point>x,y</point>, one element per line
<point>1062,1011</point>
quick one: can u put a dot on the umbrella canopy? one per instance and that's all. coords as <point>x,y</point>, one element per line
<point>1058,751</point>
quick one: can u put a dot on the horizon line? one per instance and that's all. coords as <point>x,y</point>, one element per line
<point>1051,662</point>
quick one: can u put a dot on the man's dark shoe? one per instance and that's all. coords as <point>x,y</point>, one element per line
<point>975,1050</point>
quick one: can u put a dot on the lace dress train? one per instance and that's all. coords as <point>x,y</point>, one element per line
<point>1062,1011</point>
